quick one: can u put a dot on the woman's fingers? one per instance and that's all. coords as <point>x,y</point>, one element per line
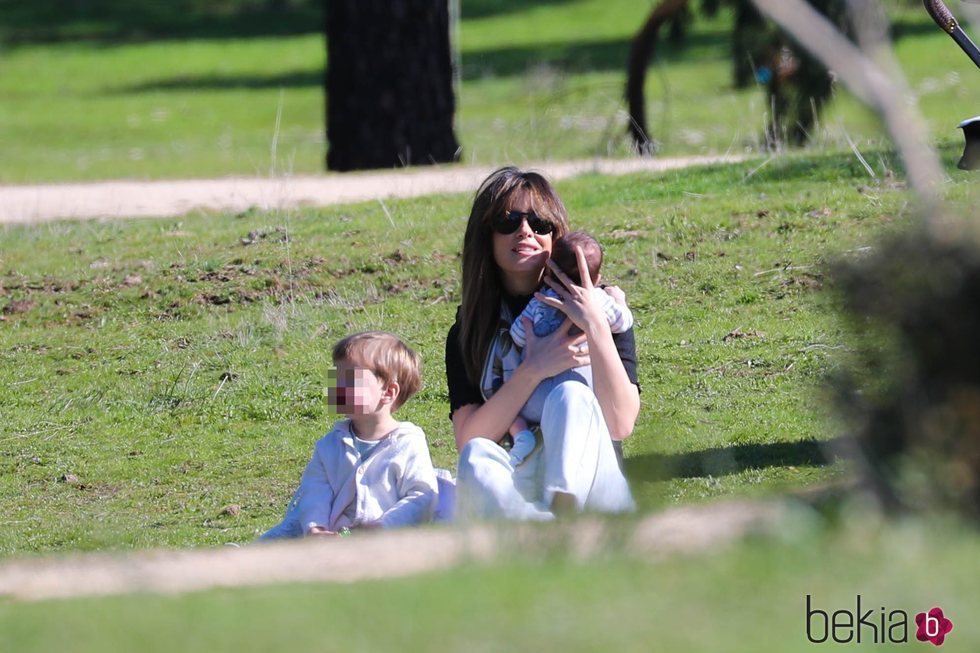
<point>531,339</point>
<point>559,289</point>
<point>575,344</point>
<point>560,275</point>
<point>560,333</point>
<point>549,301</point>
<point>583,269</point>
<point>583,273</point>
<point>557,351</point>
<point>529,327</point>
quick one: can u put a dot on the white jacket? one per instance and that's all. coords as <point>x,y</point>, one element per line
<point>395,484</point>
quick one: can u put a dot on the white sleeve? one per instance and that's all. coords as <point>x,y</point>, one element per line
<point>417,486</point>
<point>620,316</point>
<point>316,495</point>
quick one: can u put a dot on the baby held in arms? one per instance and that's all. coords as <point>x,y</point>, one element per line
<point>546,319</point>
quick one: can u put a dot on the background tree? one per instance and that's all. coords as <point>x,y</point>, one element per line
<point>797,85</point>
<point>642,49</point>
<point>389,89</point>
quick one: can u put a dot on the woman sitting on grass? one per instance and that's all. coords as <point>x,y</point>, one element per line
<point>516,216</point>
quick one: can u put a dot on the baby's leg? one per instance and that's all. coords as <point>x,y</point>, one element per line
<point>534,407</point>
<point>581,374</point>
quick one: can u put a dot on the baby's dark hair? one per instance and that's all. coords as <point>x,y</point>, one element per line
<point>563,254</point>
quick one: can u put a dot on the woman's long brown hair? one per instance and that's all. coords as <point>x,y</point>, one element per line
<point>482,285</point>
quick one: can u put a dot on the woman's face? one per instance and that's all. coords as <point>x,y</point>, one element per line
<point>521,256</point>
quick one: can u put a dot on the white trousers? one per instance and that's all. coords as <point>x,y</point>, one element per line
<point>576,457</point>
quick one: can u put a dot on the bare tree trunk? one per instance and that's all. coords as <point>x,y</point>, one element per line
<point>389,88</point>
<point>641,50</point>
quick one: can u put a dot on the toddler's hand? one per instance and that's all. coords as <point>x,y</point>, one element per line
<point>320,531</point>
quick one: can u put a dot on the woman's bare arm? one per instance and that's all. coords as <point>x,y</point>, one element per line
<point>617,396</point>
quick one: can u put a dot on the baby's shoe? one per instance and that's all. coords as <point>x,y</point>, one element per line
<point>524,443</point>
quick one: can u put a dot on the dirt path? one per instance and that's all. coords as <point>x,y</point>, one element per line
<point>148,199</point>
<point>684,530</point>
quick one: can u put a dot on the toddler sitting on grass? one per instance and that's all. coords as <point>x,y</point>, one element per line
<point>370,470</point>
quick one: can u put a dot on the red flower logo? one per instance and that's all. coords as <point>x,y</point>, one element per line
<point>933,626</point>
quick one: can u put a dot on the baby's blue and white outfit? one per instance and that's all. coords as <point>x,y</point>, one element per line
<point>544,321</point>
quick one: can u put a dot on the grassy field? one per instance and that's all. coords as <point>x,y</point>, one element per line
<point>749,598</point>
<point>192,91</point>
<point>155,373</point>
<point>152,373</point>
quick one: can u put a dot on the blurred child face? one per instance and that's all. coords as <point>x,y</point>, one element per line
<point>354,390</point>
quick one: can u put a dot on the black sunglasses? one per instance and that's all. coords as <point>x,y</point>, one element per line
<point>511,221</point>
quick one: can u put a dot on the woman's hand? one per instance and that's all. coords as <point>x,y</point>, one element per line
<point>555,352</point>
<point>576,301</point>
<point>617,396</point>
<point>543,358</point>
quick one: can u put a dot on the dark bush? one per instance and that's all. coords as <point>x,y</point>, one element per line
<point>912,393</point>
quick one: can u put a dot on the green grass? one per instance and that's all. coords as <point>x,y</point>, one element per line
<point>748,598</point>
<point>175,370</point>
<point>194,90</point>
<point>154,372</point>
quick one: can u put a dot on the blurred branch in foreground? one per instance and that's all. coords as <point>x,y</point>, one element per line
<point>911,395</point>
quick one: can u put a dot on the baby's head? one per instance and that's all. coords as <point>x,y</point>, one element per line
<point>395,368</point>
<point>563,254</point>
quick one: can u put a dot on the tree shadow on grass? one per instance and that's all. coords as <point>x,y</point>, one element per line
<point>722,461</point>
<point>584,56</point>
<point>564,58</point>
<point>113,21</point>
<point>120,21</point>
<point>292,79</point>
<point>487,8</point>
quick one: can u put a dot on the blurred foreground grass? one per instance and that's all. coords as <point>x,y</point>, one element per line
<point>749,597</point>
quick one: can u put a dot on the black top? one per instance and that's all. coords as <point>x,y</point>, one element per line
<point>463,392</point>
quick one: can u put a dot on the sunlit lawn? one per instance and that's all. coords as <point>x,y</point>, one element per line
<point>538,81</point>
